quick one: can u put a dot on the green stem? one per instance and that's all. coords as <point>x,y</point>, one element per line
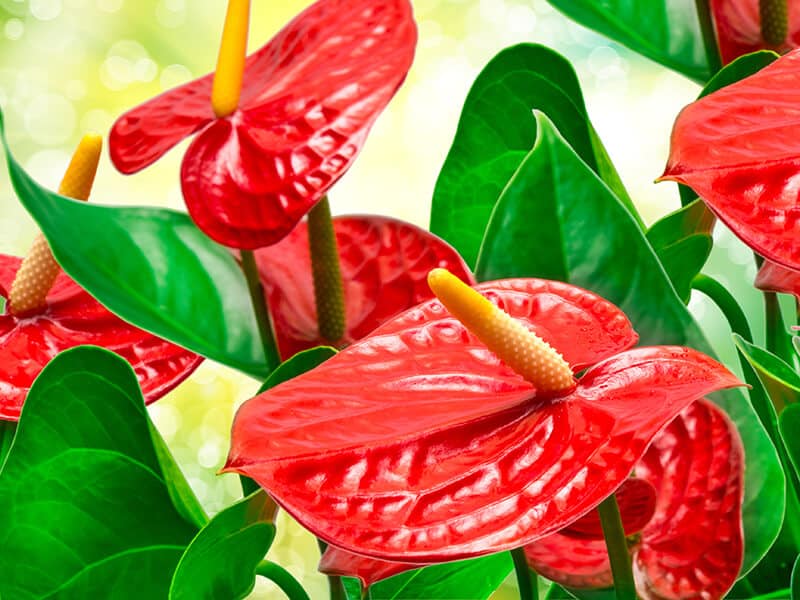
<point>709,36</point>
<point>774,322</point>
<point>283,579</point>
<point>527,580</point>
<point>260,307</point>
<point>334,581</point>
<point>327,273</point>
<point>720,295</point>
<point>617,546</point>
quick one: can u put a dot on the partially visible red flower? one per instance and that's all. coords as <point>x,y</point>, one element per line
<point>738,25</point>
<point>739,150</point>
<point>72,318</point>
<point>773,277</point>
<point>692,546</point>
<point>384,263</point>
<point>417,443</point>
<point>308,100</point>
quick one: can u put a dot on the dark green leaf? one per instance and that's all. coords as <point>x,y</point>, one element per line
<point>297,365</point>
<point>556,592</point>
<point>495,133</point>
<point>666,31</point>
<point>473,579</point>
<point>84,508</point>
<point>283,579</point>
<point>154,268</point>
<point>796,580</point>
<point>682,242</point>
<point>789,423</point>
<point>221,561</point>
<point>352,588</point>
<point>556,219</point>
<point>780,380</point>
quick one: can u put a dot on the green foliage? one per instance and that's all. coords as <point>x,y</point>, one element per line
<point>666,31</point>
<point>780,380</point>
<point>221,560</point>
<point>297,365</point>
<point>497,130</point>
<point>153,268</point>
<point>682,240</point>
<point>553,233</point>
<point>789,423</point>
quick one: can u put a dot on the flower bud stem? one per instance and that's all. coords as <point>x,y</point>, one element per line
<point>260,308</point>
<point>327,273</point>
<point>527,580</point>
<point>617,545</point>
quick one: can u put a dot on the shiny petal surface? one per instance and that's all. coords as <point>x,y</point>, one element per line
<point>773,277</point>
<point>739,149</point>
<point>144,134</point>
<point>692,547</point>
<point>384,265</point>
<point>336,561</point>
<point>417,444</point>
<point>739,28</point>
<point>74,318</point>
<point>309,99</point>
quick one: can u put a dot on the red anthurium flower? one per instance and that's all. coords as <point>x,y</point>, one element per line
<point>308,100</point>
<point>636,499</point>
<point>419,443</point>
<point>384,263</point>
<point>739,149</point>
<point>71,318</point>
<point>47,312</point>
<point>691,546</point>
<point>773,277</point>
<point>739,29</point>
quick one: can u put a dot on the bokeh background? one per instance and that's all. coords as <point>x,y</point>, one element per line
<point>70,67</point>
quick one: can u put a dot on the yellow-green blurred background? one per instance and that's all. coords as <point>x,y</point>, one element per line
<point>72,66</point>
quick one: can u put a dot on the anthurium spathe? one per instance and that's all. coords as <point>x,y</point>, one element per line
<point>384,264</point>
<point>739,150</point>
<point>266,153</point>
<point>773,277</point>
<point>47,312</point>
<point>691,546</point>
<point>741,29</point>
<point>417,443</point>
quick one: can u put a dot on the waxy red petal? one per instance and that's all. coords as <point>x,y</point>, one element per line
<point>738,28</point>
<point>384,262</point>
<point>417,444</point>
<point>739,149</point>
<point>336,561</point>
<point>692,547</point>
<point>308,100</point>
<point>773,277</point>
<point>73,318</point>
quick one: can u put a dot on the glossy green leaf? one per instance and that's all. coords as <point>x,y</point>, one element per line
<point>682,242</point>
<point>742,67</point>
<point>284,580</point>
<point>152,267</point>
<point>557,220</point>
<point>556,592</point>
<point>297,365</point>
<point>221,560</point>
<point>789,424</point>
<point>473,579</point>
<point>497,130</point>
<point>781,381</point>
<point>796,579</point>
<point>84,508</point>
<point>666,31</point>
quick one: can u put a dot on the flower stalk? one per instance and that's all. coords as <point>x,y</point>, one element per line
<point>327,273</point>
<point>39,269</point>
<point>617,546</point>
<point>526,578</point>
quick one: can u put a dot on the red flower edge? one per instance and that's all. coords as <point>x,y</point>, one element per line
<point>738,26</point>
<point>773,277</point>
<point>74,318</point>
<point>693,545</point>
<point>416,443</point>
<point>739,150</point>
<point>384,265</point>
<point>309,98</point>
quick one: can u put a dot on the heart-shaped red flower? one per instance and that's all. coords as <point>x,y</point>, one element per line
<point>384,263</point>
<point>739,150</point>
<point>308,100</point>
<point>692,547</point>
<point>417,443</point>
<point>72,318</point>
<point>738,24</point>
